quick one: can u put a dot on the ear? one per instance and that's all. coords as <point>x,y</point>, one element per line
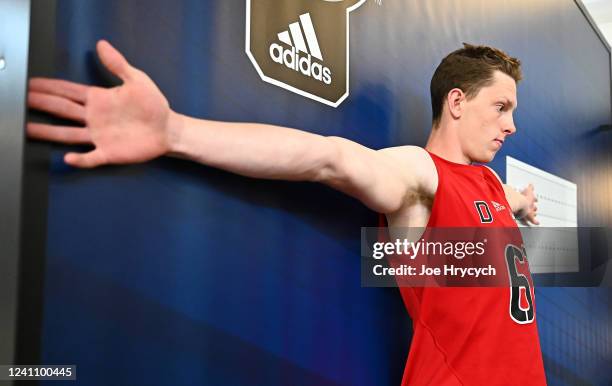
<point>455,101</point>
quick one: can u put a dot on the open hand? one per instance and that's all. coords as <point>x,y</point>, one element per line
<point>126,124</point>
<point>530,213</point>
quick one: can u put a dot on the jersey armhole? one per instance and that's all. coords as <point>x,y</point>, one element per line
<point>494,173</point>
<point>501,186</point>
<point>435,195</point>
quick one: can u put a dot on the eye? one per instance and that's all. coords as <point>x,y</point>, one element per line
<point>500,107</point>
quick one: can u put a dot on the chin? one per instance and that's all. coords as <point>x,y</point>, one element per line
<point>484,158</point>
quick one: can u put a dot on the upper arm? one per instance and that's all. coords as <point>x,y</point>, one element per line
<point>381,179</point>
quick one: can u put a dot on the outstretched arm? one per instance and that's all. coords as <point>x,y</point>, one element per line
<point>134,123</point>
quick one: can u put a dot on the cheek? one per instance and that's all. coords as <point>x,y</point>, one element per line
<point>483,122</point>
<point>490,126</point>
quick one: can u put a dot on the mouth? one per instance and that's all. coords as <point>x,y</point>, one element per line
<point>499,141</point>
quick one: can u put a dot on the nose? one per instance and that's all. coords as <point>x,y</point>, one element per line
<point>509,127</point>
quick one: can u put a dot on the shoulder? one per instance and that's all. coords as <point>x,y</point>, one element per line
<point>415,164</point>
<point>507,189</point>
<point>494,173</point>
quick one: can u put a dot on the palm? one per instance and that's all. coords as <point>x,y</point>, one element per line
<point>126,124</point>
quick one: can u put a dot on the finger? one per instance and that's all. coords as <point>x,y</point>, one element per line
<point>88,160</point>
<point>63,88</point>
<point>56,105</point>
<point>62,134</point>
<point>113,60</point>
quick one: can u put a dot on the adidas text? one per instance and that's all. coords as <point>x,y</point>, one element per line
<point>303,64</point>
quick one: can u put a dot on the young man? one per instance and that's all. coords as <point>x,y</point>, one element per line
<point>462,336</point>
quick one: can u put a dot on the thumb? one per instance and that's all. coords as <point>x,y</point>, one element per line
<point>113,60</point>
<point>88,160</point>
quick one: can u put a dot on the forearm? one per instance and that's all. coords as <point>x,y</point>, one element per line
<point>250,149</point>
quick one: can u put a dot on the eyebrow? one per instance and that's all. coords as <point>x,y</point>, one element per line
<point>508,102</point>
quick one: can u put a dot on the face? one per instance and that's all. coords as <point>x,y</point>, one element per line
<point>486,120</point>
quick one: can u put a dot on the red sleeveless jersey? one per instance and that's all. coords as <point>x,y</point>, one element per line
<point>474,335</point>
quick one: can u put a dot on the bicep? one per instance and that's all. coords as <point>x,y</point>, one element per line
<point>380,179</point>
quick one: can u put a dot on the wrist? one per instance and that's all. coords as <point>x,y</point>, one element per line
<point>523,207</point>
<point>174,133</point>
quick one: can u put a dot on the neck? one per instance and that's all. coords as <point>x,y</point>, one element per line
<point>443,142</point>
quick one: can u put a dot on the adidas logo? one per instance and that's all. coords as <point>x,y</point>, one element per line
<point>303,47</point>
<point>287,52</point>
<point>498,206</point>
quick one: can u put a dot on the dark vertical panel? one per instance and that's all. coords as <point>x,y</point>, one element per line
<point>34,209</point>
<point>14,26</point>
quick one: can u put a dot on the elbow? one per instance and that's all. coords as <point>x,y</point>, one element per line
<point>328,166</point>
